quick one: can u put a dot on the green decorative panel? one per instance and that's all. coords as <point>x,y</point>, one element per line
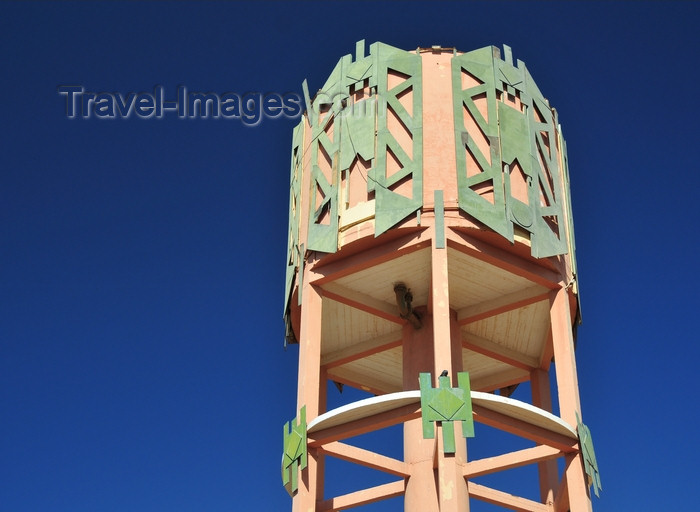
<point>446,405</point>
<point>570,216</point>
<point>405,70</point>
<point>589,461</point>
<point>548,234</point>
<point>349,119</point>
<point>439,219</point>
<point>323,213</point>
<point>521,185</point>
<point>295,456</point>
<point>473,86</point>
<point>293,254</point>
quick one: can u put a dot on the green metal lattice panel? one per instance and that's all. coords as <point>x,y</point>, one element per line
<point>392,207</point>
<point>478,68</point>
<point>295,180</point>
<point>520,128</point>
<point>548,236</point>
<point>323,195</point>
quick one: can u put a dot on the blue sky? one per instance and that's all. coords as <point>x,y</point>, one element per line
<point>142,366</point>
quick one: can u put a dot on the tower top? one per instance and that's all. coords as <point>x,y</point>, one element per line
<point>392,130</point>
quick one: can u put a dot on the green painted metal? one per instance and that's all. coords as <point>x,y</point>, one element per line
<point>353,134</point>
<point>589,461</point>
<point>360,129</point>
<point>294,456</point>
<point>546,241</point>
<point>567,191</point>
<point>323,110</point>
<point>302,252</point>
<point>323,236</point>
<point>391,207</point>
<point>357,133</point>
<point>525,137</point>
<point>439,220</point>
<point>446,405</point>
<point>480,65</point>
<point>309,106</point>
<point>293,254</point>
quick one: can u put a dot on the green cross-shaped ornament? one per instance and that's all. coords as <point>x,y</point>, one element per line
<point>294,456</point>
<point>589,461</point>
<point>446,405</point>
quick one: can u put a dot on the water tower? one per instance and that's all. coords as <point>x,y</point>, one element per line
<point>431,263</point>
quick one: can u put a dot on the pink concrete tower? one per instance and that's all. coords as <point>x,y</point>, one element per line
<point>431,263</point>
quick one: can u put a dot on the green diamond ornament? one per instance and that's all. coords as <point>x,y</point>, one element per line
<point>446,405</point>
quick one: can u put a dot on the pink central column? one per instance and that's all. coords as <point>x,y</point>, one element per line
<point>452,487</point>
<point>421,490</point>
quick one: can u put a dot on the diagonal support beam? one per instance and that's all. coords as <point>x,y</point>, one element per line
<point>502,304</point>
<point>499,352</point>
<point>502,259</point>
<point>363,302</point>
<point>366,458</point>
<point>503,499</point>
<point>524,429</point>
<point>334,266</point>
<point>510,460</point>
<point>364,497</point>
<point>363,381</point>
<point>499,380</point>
<point>362,349</point>
<point>364,425</point>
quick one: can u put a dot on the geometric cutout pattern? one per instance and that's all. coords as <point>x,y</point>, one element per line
<point>399,74</point>
<point>364,112</point>
<point>476,138</point>
<point>502,123</point>
<point>445,405</point>
<point>295,180</point>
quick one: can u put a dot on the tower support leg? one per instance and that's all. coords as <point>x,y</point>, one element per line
<point>542,398</point>
<point>452,487</point>
<point>569,401</point>
<point>311,394</point>
<point>421,488</point>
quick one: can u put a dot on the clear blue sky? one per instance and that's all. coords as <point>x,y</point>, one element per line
<point>142,261</point>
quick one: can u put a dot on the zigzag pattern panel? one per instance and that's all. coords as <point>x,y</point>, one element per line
<point>397,177</point>
<point>549,234</point>
<point>323,212</point>
<point>479,174</point>
<point>295,180</point>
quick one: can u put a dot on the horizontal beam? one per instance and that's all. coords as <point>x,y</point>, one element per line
<point>363,302</point>
<point>364,497</point>
<point>366,458</point>
<point>502,259</point>
<point>510,460</point>
<point>362,349</point>
<point>336,266</point>
<point>523,429</point>
<point>363,381</point>
<point>499,352</point>
<point>503,499</point>
<point>502,304</point>
<point>498,380</point>
<point>364,425</point>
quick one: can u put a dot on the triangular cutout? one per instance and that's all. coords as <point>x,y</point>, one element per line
<point>469,80</point>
